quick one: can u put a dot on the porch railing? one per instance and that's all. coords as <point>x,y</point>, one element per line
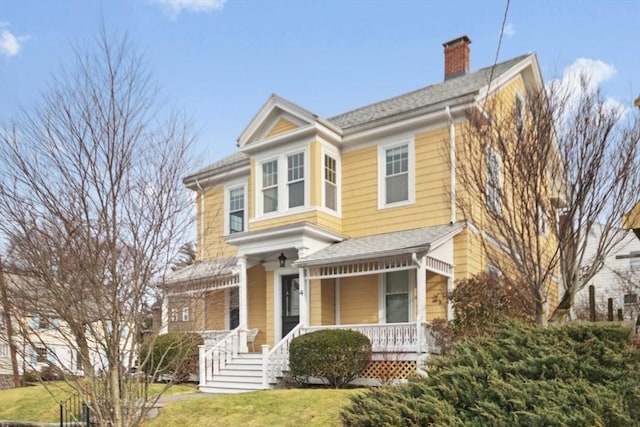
<point>213,359</point>
<point>412,338</point>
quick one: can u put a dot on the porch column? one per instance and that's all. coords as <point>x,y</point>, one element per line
<point>449,291</point>
<point>421,283</point>
<point>164,315</point>
<point>304,291</point>
<point>243,305</point>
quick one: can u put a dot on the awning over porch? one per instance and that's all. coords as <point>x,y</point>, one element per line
<point>203,276</point>
<point>383,252</point>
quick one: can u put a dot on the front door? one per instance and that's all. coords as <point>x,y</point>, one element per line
<point>290,303</point>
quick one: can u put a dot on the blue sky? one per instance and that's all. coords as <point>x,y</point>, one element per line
<point>220,60</point>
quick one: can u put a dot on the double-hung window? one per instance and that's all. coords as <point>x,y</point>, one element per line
<point>519,114</point>
<point>330,183</point>
<point>494,181</point>
<point>397,296</point>
<point>396,175</point>
<point>174,314</point>
<point>295,179</point>
<point>236,210</point>
<point>270,186</point>
<point>185,314</point>
<point>4,349</point>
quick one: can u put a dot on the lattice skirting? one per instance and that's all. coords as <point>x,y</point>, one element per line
<point>390,369</point>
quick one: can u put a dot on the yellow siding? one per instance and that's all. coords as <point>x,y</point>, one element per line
<point>359,300</point>
<point>283,125</point>
<point>216,310</point>
<point>436,297</point>
<point>270,332</point>
<point>257,297</point>
<point>315,171</point>
<point>210,236</point>
<point>315,217</point>
<point>360,189</point>
<point>322,306</point>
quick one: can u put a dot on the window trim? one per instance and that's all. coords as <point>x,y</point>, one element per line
<point>186,314</point>
<point>494,191</point>
<point>295,181</point>
<point>338,183</point>
<point>382,174</point>
<point>227,206</point>
<point>519,115</point>
<point>283,185</point>
<point>382,295</point>
<point>4,350</point>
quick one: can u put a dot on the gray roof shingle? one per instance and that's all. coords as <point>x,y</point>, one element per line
<point>430,95</point>
<point>201,271</point>
<point>226,163</point>
<point>380,245</point>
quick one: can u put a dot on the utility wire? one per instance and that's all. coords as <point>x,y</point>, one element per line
<point>495,61</point>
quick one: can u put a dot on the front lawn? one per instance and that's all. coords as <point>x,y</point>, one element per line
<point>35,403</point>
<point>295,407</point>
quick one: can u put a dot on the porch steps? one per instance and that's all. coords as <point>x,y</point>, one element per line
<point>242,374</point>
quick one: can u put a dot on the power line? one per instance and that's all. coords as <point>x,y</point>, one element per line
<point>495,61</point>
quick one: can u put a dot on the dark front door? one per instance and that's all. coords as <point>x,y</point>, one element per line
<point>290,303</point>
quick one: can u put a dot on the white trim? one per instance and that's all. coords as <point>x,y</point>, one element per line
<point>283,185</point>
<point>411,172</point>
<point>323,199</point>
<point>227,204</point>
<point>382,301</point>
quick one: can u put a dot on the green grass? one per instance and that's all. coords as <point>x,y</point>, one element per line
<point>296,407</point>
<point>35,403</point>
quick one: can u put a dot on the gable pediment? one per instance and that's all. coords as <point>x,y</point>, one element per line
<point>276,117</point>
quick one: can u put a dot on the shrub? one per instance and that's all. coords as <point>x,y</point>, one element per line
<point>174,355</point>
<point>336,356</point>
<point>574,375</point>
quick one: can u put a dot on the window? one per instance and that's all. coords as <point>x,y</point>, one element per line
<point>174,314</point>
<point>494,182</point>
<point>396,297</point>
<point>4,349</point>
<point>234,308</point>
<point>42,354</point>
<point>78,361</point>
<point>330,183</point>
<point>397,174</point>
<point>542,221</point>
<point>185,314</point>
<point>519,115</point>
<point>236,210</point>
<point>295,179</point>
<point>270,186</point>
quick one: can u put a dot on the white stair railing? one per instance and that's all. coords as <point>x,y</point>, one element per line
<point>276,361</point>
<point>215,358</point>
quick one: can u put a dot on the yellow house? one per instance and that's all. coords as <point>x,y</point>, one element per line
<point>341,222</point>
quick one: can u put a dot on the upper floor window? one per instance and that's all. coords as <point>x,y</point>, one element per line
<point>295,179</point>
<point>542,221</point>
<point>634,260</point>
<point>236,210</point>
<point>397,174</point>
<point>4,349</point>
<point>519,116</point>
<point>185,314</point>
<point>330,183</point>
<point>174,314</point>
<point>494,181</point>
<point>270,186</point>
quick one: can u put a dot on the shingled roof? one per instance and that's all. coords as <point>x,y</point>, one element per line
<point>457,87</point>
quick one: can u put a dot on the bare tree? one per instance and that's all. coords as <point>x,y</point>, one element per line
<point>537,173</point>
<point>93,209</point>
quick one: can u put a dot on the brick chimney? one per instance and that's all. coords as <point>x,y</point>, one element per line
<point>456,57</point>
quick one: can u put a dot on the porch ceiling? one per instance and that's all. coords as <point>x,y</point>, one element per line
<point>388,245</point>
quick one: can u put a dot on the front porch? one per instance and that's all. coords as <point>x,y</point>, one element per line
<point>399,350</point>
<point>388,287</point>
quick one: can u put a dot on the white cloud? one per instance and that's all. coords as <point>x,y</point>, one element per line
<point>509,30</point>
<point>10,44</point>
<point>588,72</point>
<point>174,7</point>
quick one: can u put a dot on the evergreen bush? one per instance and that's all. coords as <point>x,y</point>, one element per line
<point>336,356</point>
<point>173,355</point>
<point>573,375</point>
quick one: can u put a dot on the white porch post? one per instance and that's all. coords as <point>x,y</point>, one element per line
<point>304,291</point>
<point>421,284</point>
<point>449,291</point>
<point>164,316</point>
<point>243,305</point>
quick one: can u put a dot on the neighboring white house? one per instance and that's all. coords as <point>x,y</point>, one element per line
<point>618,279</point>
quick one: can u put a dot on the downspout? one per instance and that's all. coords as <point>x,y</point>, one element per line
<point>452,159</point>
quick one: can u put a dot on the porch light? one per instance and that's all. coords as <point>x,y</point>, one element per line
<point>282,259</point>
